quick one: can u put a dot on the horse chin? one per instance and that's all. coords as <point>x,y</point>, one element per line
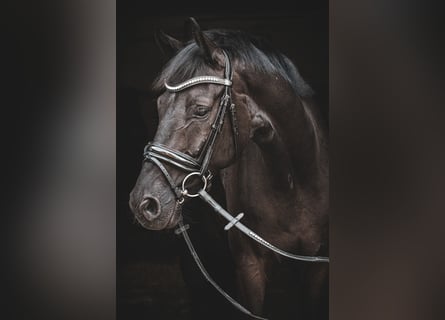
<point>169,220</point>
<point>175,216</point>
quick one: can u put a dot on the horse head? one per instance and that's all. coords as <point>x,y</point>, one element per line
<point>198,129</point>
<point>218,94</point>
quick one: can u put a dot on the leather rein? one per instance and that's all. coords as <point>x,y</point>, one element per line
<point>158,154</point>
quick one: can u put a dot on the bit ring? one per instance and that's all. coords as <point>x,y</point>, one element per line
<point>185,192</point>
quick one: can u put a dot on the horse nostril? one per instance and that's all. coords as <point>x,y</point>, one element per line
<point>150,208</point>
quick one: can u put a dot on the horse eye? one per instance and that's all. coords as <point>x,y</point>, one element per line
<point>201,111</point>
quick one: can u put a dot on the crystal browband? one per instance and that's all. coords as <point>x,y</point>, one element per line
<point>198,80</point>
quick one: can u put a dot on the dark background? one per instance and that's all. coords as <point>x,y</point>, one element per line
<point>149,278</point>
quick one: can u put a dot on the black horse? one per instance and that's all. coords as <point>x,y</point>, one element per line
<point>232,106</point>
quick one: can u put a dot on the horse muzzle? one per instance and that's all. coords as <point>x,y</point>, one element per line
<point>155,212</point>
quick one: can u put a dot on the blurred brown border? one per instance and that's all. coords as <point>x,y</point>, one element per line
<point>387,161</point>
<point>387,157</point>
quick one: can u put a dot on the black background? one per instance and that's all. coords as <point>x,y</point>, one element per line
<point>149,278</point>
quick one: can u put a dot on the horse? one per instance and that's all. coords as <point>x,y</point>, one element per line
<point>231,105</point>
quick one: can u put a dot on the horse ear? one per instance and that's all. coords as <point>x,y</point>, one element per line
<point>168,45</point>
<point>209,49</point>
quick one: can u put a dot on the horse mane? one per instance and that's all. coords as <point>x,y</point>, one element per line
<point>253,52</point>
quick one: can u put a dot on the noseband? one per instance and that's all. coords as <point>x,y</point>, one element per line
<point>158,153</point>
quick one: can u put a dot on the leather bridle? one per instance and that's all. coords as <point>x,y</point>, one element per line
<point>158,153</point>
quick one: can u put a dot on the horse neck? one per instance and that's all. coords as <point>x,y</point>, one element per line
<point>285,169</point>
<point>305,142</point>
<point>298,131</point>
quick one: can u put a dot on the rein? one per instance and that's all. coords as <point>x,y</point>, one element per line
<point>158,154</point>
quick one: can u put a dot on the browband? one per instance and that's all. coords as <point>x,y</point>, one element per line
<point>198,80</point>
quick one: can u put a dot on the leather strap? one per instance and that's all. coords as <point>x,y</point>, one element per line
<point>182,229</point>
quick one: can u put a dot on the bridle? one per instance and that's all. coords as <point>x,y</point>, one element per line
<point>158,154</point>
